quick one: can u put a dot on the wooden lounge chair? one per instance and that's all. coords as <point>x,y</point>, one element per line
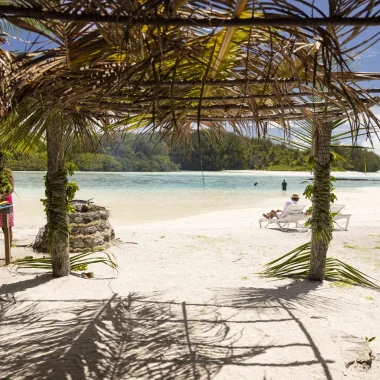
<point>336,209</point>
<point>292,214</point>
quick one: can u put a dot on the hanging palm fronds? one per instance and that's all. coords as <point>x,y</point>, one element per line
<point>149,76</point>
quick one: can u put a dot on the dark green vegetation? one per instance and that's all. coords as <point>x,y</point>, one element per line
<point>150,154</point>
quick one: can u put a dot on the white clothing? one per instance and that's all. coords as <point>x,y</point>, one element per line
<point>291,202</point>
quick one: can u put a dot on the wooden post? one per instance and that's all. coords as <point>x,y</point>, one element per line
<point>7,240</point>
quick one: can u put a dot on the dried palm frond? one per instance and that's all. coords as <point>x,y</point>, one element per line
<point>165,77</point>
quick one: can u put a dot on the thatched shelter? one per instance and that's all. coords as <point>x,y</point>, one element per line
<point>177,65</point>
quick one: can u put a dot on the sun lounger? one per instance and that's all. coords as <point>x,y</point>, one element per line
<point>336,209</point>
<point>293,214</point>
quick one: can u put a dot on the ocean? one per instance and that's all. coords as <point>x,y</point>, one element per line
<point>147,197</point>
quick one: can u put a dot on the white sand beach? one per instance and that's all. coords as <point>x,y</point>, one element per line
<point>187,303</point>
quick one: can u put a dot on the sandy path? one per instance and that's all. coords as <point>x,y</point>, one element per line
<point>187,304</point>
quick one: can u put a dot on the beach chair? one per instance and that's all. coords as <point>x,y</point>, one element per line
<point>336,209</point>
<point>293,214</point>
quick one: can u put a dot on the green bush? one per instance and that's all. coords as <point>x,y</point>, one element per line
<point>133,153</point>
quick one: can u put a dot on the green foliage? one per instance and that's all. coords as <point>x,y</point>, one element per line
<point>237,153</point>
<point>359,159</point>
<point>80,268</point>
<point>78,262</point>
<point>130,153</point>
<point>309,190</point>
<point>56,206</point>
<point>29,162</point>
<point>369,340</point>
<point>71,188</point>
<point>285,168</point>
<point>150,153</point>
<point>95,162</point>
<point>5,181</point>
<point>296,263</point>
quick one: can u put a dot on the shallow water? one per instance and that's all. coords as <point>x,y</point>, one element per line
<point>147,197</point>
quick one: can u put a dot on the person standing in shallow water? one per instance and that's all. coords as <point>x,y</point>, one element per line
<point>6,190</point>
<point>284,185</point>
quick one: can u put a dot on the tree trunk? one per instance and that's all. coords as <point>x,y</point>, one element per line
<point>321,223</point>
<point>56,207</point>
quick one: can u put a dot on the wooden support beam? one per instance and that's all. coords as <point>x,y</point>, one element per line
<point>230,107</point>
<point>354,77</point>
<point>286,116</point>
<point>274,20</point>
<point>136,100</point>
<point>7,239</point>
<point>217,82</point>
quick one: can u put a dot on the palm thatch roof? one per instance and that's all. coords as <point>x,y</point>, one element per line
<point>173,65</point>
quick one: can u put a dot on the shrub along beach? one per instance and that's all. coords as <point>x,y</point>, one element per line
<point>133,153</point>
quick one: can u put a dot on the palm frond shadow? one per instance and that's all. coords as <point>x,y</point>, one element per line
<point>283,302</point>
<point>15,287</point>
<point>301,294</point>
<point>122,338</point>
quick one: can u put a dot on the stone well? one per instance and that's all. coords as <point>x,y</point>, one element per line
<point>90,229</point>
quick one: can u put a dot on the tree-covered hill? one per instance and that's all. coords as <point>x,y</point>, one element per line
<point>133,153</point>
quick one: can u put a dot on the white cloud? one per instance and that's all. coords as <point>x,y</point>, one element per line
<point>375,143</point>
<point>368,53</point>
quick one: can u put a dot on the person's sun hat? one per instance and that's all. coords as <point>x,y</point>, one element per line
<point>295,196</point>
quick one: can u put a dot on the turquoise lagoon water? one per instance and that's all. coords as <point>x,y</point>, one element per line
<point>191,181</point>
<point>147,197</point>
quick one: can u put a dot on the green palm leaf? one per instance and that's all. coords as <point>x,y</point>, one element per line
<point>296,264</point>
<point>77,261</point>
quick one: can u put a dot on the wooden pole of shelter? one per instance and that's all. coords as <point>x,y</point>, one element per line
<point>354,77</point>
<point>242,107</point>
<point>286,116</point>
<point>9,11</point>
<point>137,100</point>
<point>7,239</point>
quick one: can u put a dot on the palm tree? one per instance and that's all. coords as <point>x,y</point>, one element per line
<point>43,98</point>
<point>302,137</point>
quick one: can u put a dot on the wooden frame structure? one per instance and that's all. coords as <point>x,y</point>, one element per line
<point>212,63</point>
<point>176,66</point>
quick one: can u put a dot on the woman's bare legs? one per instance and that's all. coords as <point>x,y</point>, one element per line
<point>270,215</point>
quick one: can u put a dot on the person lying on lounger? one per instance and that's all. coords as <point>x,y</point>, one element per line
<point>276,214</point>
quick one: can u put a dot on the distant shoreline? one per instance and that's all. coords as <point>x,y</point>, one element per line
<point>251,171</point>
<point>355,179</point>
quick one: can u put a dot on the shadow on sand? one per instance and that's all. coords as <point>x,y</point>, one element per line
<point>144,336</point>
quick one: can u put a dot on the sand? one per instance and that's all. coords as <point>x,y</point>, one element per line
<point>187,303</point>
